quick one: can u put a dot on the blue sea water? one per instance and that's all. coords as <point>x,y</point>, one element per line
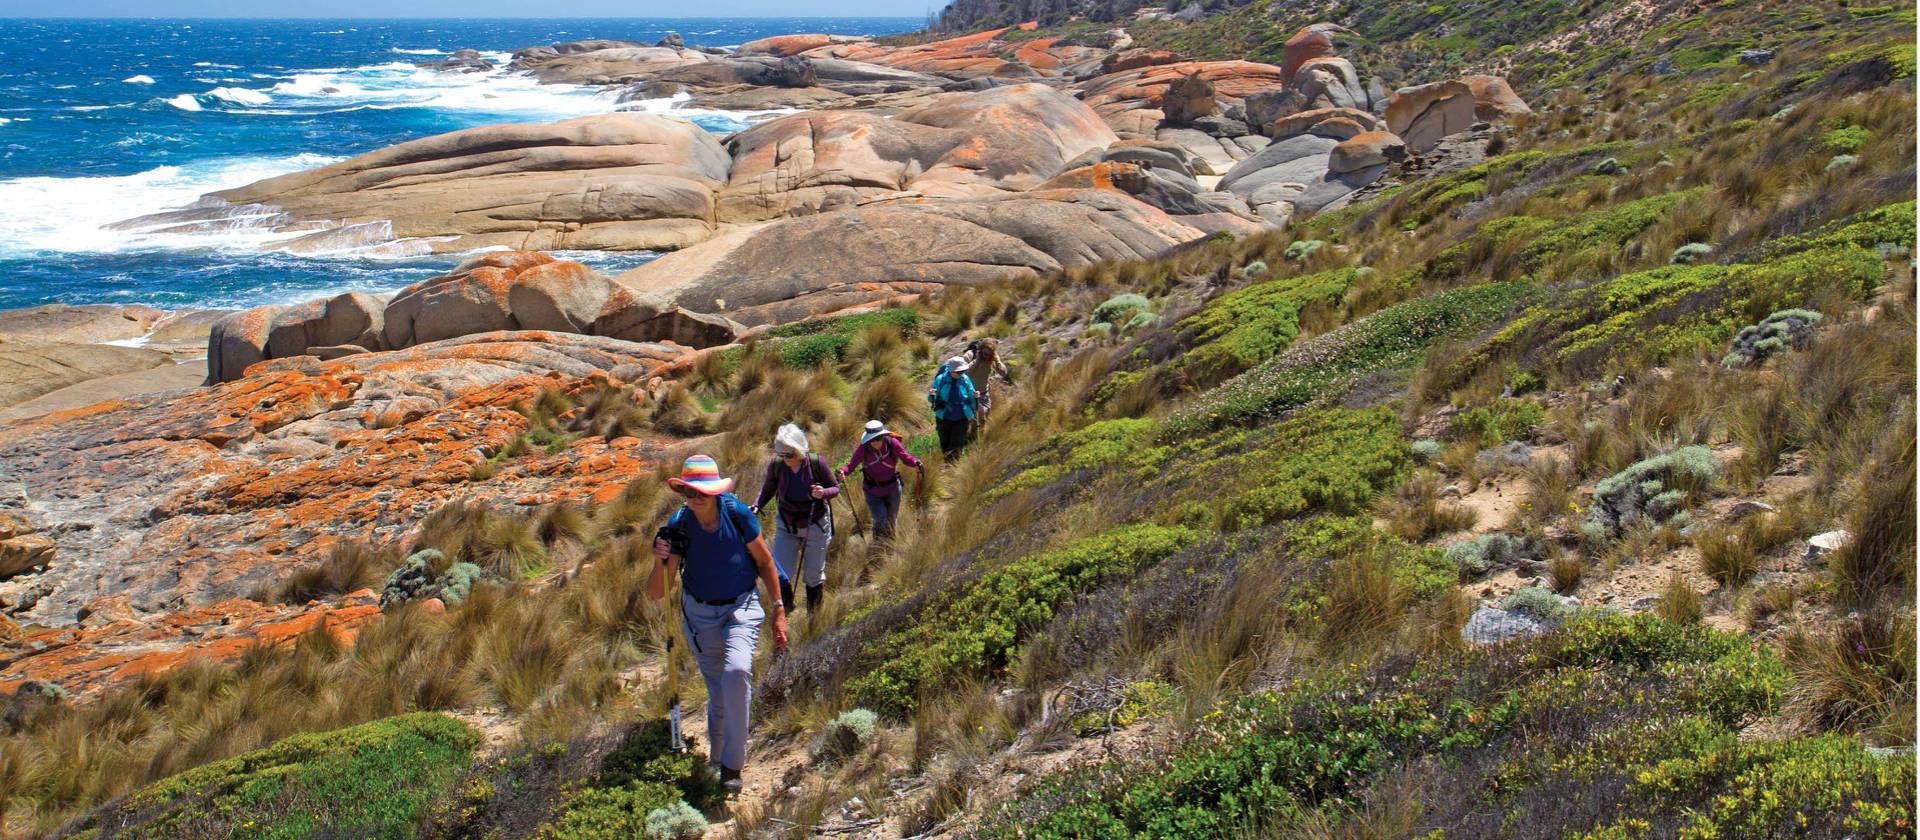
<point>102,120</point>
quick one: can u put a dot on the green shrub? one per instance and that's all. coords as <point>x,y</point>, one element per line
<point>1690,253</point>
<point>845,735</point>
<point>1788,329</point>
<point>1304,248</point>
<point>1245,327</point>
<point>1534,713</point>
<point>1822,786</point>
<point>1650,492</point>
<point>371,780</point>
<point>1484,553</point>
<point>1119,443</point>
<point>976,629</point>
<point>1326,461</point>
<point>1611,227</point>
<point>1392,338</point>
<point>610,813</point>
<point>1140,699</point>
<point>821,341</point>
<point>1119,308</point>
<point>644,756</point>
<point>678,821</point>
<point>1653,315</point>
<point>1498,422</point>
<point>1537,603</point>
<point>1887,226</point>
<point>1845,140</point>
<point>1255,269</point>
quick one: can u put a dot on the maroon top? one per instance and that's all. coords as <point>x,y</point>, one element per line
<point>795,488</point>
<point>880,470</point>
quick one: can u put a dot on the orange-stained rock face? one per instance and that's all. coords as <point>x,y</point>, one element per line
<point>1115,96</point>
<point>85,660</point>
<point>191,498</point>
<point>1311,42</point>
<point>1494,99</point>
<point>978,55</point>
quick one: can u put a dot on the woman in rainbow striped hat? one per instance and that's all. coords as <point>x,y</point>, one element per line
<point>713,542</point>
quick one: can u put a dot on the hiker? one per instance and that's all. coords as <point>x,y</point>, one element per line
<point>805,487</point>
<point>954,404</point>
<point>984,362</point>
<point>878,458</point>
<point>713,542</point>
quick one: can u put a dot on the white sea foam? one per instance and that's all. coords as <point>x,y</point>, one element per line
<point>142,79</point>
<point>513,96</point>
<point>216,64</point>
<point>185,102</point>
<point>404,51</point>
<point>240,96</point>
<point>46,214</point>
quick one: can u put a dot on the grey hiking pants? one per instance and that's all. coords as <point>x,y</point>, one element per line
<point>810,570</point>
<point>722,638</point>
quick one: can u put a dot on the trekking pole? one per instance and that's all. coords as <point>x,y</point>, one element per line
<point>859,528</point>
<point>675,742</point>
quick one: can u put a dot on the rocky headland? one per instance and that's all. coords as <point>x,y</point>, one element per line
<point>893,171</point>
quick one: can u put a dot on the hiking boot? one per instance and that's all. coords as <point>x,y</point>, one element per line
<point>816,595</point>
<point>729,780</point>
<point>786,593</point>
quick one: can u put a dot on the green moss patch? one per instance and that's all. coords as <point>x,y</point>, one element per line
<point>1608,703</point>
<point>1247,326</point>
<point>1395,337</point>
<point>371,780</point>
<point>975,629</point>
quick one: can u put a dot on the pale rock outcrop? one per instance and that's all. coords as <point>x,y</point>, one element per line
<point>1494,99</point>
<point>1366,150</point>
<point>958,145</point>
<point>1188,100</point>
<point>1422,114</point>
<point>608,66</point>
<point>528,290</point>
<point>1311,42</point>
<point>615,181</point>
<point>797,267</point>
<point>276,331</point>
<point>1134,101</point>
<point>1295,173</point>
<point>495,291</point>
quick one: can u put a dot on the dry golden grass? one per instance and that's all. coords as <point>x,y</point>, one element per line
<point>1416,512</point>
<point>1678,602</point>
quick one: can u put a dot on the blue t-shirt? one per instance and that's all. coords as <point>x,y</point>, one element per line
<point>718,567</point>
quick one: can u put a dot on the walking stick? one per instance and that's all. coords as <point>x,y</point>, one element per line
<point>675,742</point>
<point>859,528</point>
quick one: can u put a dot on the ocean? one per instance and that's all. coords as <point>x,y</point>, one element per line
<point>102,120</point>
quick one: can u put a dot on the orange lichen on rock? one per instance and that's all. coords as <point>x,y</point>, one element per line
<point>85,661</point>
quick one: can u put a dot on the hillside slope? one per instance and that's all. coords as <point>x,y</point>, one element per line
<point>1566,493</point>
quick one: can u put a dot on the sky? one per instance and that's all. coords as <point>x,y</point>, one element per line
<point>462,8</point>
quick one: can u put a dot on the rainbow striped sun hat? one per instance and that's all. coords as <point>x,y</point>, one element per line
<point>701,475</point>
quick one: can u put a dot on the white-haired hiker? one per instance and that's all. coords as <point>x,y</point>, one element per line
<point>878,458</point>
<point>713,543</point>
<point>803,523</point>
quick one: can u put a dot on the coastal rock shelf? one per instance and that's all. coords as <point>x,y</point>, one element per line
<point>952,162</point>
<point>208,494</point>
<point>915,167</point>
